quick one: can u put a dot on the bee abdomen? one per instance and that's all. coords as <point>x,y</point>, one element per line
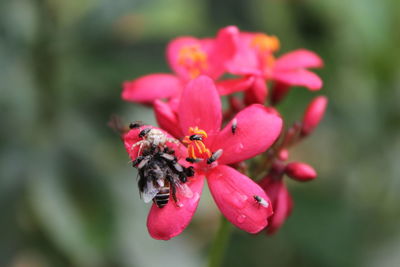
<point>161,199</point>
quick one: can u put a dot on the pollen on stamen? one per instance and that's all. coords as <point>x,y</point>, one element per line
<point>195,145</point>
<point>265,42</point>
<point>194,59</point>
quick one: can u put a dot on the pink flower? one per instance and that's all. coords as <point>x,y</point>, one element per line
<point>250,132</point>
<point>188,57</point>
<point>255,57</point>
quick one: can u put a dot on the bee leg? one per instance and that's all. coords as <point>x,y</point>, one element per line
<point>189,171</point>
<point>167,150</point>
<point>173,192</point>
<point>172,140</point>
<point>182,177</point>
<point>137,161</point>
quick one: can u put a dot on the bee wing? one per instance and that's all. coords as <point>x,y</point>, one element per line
<point>184,190</point>
<point>149,192</point>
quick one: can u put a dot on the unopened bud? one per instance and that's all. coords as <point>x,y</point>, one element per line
<point>256,94</point>
<point>300,171</point>
<point>235,103</point>
<point>314,114</point>
<point>283,154</point>
<point>279,91</point>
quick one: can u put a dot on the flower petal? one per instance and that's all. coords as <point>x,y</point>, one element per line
<point>256,130</point>
<point>300,58</point>
<point>148,88</point>
<point>200,106</point>
<point>299,77</point>
<point>166,117</point>
<point>230,86</point>
<point>234,194</point>
<point>174,49</point>
<point>246,60</point>
<point>169,221</point>
<point>223,49</point>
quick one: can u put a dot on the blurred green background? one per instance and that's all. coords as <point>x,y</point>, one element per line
<point>68,196</point>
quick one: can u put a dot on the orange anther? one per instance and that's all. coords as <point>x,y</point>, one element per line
<point>194,142</point>
<point>265,42</point>
<point>194,59</point>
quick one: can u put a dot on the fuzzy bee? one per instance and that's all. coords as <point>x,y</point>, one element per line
<point>152,138</point>
<point>160,174</point>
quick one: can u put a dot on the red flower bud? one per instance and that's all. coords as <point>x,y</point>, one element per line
<point>279,92</point>
<point>313,115</point>
<point>257,93</point>
<point>235,103</point>
<point>283,154</point>
<point>300,171</point>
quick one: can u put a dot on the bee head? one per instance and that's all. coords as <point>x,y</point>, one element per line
<point>144,132</point>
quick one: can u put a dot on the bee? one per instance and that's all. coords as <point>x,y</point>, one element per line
<point>261,201</point>
<point>152,138</point>
<point>160,174</point>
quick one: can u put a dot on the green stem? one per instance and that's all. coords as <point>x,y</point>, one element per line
<point>220,243</point>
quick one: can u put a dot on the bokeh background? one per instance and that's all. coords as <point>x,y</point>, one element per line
<point>68,196</point>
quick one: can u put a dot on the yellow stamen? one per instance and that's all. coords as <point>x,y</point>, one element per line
<point>265,43</point>
<point>196,148</point>
<point>191,152</point>
<point>194,59</point>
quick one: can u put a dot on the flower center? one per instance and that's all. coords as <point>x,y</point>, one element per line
<point>195,145</point>
<point>265,43</point>
<point>194,59</point>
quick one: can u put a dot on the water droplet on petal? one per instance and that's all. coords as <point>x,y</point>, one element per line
<point>235,199</point>
<point>239,147</point>
<point>244,197</point>
<point>241,218</point>
<point>179,204</point>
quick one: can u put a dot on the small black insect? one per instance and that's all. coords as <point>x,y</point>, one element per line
<point>196,137</point>
<point>160,175</point>
<point>192,160</point>
<point>261,201</point>
<point>135,124</point>
<point>234,126</point>
<point>216,155</point>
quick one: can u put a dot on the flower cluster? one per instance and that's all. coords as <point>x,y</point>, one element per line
<point>198,139</point>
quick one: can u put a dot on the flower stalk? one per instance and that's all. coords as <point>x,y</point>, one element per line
<point>220,243</point>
